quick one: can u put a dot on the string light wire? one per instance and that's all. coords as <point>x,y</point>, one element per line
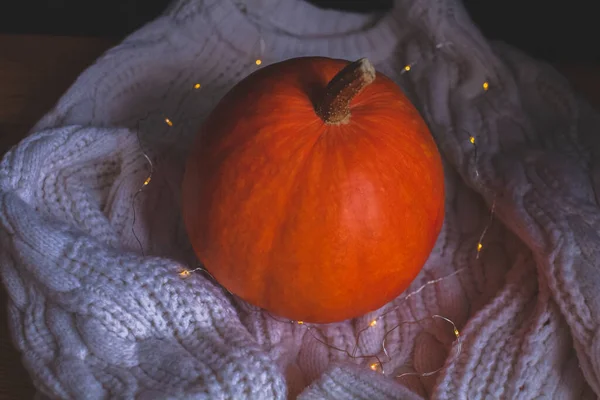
<point>488,225</point>
<point>408,67</point>
<point>144,184</point>
<point>458,342</point>
<point>315,331</point>
<point>379,364</point>
<point>486,228</point>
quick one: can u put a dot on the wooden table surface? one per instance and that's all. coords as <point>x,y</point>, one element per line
<point>35,70</point>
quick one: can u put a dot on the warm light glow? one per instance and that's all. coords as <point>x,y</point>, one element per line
<point>258,62</point>
<point>374,366</point>
<point>472,139</point>
<point>479,246</point>
<point>456,332</point>
<point>300,322</point>
<point>184,273</point>
<point>197,86</point>
<point>407,68</point>
<point>486,85</point>
<point>147,181</point>
<point>373,323</point>
<point>168,121</point>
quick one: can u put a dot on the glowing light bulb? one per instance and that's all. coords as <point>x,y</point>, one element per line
<point>169,122</point>
<point>479,246</point>
<point>373,323</point>
<point>486,85</point>
<point>184,273</point>
<point>147,181</point>
<point>258,61</point>
<point>407,67</point>
<point>376,367</point>
<point>197,86</point>
<point>472,139</point>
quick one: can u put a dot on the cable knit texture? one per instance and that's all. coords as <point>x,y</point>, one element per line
<point>95,318</point>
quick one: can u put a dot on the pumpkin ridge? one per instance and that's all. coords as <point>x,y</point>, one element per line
<point>301,169</point>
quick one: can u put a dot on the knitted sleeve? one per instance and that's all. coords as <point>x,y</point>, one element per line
<point>94,320</point>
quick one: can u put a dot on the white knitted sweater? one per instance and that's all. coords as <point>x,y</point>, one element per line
<point>95,318</point>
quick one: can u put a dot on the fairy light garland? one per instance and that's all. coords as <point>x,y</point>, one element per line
<point>378,365</point>
<point>187,272</point>
<point>313,329</point>
<point>261,50</point>
<point>473,141</point>
<point>144,184</point>
<point>197,86</point>
<point>486,228</point>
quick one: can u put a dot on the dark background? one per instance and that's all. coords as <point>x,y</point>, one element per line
<point>551,30</point>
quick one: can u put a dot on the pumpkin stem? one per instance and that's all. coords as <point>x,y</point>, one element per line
<point>334,107</point>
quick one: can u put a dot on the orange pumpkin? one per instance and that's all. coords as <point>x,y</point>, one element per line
<point>314,190</point>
